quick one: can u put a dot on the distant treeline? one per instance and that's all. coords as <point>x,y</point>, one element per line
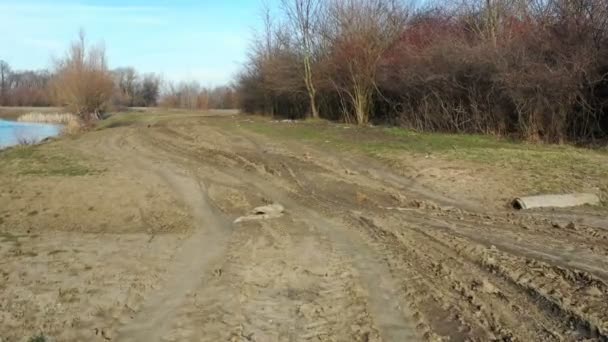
<point>128,88</point>
<point>33,87</point>
<point>191,95</point>
<point>536,69</point>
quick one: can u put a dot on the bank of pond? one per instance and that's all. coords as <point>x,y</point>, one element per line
<point>14,133</point>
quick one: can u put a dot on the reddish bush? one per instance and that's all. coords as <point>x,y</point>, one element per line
<point>536,70</point>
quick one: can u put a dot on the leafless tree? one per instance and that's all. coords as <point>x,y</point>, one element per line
<point>533,68</point>
<point>126,80</point>
<point>82,81</point>
<point>361,31</point>
<point>149,90</point>
<point>303,16</point>
<point>5,71</point>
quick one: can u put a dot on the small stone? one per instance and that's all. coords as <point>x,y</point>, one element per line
<point>594,291</point>
<point>399,198</point>
<point>488,287</point>
<point>106,335</point>
<point>263,213</point>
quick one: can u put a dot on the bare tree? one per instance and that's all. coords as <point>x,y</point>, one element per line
<point>532,68</point>
<point>361,31</point>
<point>5,71</point>
<point>150,90</point>
<point>82,81</point>
<point>303,16</point>
<point>126,80</point>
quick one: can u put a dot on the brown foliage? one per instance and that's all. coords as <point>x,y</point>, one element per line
<point>533,69</point>
<point>191,95</point>
<point>82,82</point>
<point>23,88</point>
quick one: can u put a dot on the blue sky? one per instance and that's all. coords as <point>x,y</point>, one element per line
<point>201,40</point>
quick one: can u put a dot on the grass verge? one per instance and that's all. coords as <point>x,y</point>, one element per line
<point>534,168</point>
<point>43,160</point>
<point>125,119</point>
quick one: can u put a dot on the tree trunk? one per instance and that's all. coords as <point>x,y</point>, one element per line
<point>314,112</point>
<point>362,102</point>
<point>362,90</point>
<point>310,87</point>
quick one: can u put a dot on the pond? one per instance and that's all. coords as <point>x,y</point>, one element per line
<point>13,133</point>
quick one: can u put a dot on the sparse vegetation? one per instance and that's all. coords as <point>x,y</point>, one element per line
<point>10,238</point>
<point>43,161</point>
<point>38,338</point>
<point>73,127</point>
<point>23,140</point>
<point>126,119</point>
<point>535,168</point>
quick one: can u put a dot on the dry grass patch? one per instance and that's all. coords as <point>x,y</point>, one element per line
<point>50,118</point>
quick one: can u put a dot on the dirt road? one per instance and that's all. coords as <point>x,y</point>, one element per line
<point>361,253</point>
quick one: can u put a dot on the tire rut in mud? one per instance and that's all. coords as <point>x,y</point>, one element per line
<point>199,251</point>
<point>391,317</point>
<point>280,281</point>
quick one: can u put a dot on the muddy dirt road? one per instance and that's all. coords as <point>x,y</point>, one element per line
<point>360,254</point>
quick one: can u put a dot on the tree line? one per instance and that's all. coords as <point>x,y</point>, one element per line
<point>35,88</point>
<point>535,69</point>
<point>82,83</point>
<point>23,88</point>
<point>192,95</point>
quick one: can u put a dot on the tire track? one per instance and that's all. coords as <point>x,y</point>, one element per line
<point>204,247</point>
<point>376,274</point>
<point>391,317</point>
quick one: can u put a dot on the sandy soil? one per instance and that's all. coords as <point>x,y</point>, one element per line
<point>147,250</point>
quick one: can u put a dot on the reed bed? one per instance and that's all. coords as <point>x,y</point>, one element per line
<point>50,118</point>
<point>71,123</point>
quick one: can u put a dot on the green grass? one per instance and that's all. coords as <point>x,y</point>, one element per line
<point>43,160</point>
<point>374,139</point>
<point>10,238</point>
<point>124,119</point>
<point>38,338</point>
<point>534,167</point>
<point>149,117</point>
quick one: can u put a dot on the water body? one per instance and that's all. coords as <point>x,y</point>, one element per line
<point>12,132</point>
